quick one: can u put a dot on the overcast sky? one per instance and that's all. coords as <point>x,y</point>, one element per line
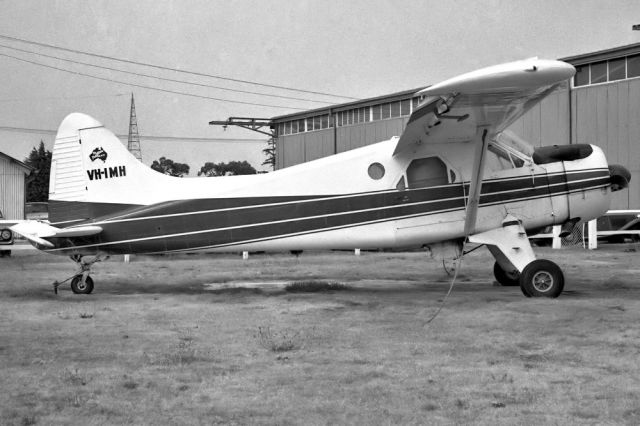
<point>349,48</point>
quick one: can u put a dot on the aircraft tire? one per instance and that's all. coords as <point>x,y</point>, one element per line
<point>542,278</point>
<point>78,288</point>
<point>506,279</point>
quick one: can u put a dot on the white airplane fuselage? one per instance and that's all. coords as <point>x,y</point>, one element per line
<point>330,203</point>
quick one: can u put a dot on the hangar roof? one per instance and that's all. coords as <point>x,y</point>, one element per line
<point>19,163</point>
<point>339,107</point>
<point>602,55</point>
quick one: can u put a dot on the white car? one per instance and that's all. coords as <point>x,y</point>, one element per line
<point>6,239</point>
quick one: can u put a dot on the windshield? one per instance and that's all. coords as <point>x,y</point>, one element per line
<point>515,142</point>
<point>509,152</point>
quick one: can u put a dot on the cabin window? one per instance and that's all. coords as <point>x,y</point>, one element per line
<point>509,156</point>
<point>376,171</point>
<point>500,157</point>
<point>401,185</point>
<point>425,172</point>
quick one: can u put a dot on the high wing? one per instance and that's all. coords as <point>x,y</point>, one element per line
<point>476,107</point>
<point>35,231</point>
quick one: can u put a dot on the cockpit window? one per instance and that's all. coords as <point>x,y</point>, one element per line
<point>506,157</point>
<point>425,172</point>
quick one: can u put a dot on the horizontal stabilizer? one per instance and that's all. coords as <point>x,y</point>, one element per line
<point>36,231</point>
<point>7,223</point>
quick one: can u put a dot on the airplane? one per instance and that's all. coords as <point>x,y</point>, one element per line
<point>454,176</point>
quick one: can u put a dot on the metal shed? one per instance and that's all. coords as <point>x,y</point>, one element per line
<point>13,187</point>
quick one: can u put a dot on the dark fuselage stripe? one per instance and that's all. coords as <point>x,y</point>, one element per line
<point>256,223</point>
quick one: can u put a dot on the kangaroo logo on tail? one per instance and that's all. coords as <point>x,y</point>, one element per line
<point>98,153</point>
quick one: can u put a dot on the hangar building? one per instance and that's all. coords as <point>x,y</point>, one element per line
<point>13,188</point>
<point>600,106</point>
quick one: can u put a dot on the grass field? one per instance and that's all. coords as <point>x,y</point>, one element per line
<point>214,339</point>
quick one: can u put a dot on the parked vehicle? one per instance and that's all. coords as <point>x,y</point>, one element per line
<point>6,239</point>
<point>619,226</point>
<point>616,226</point>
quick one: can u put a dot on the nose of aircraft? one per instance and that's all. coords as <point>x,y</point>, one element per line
<point>620,177</point>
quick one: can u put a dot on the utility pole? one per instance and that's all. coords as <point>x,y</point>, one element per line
<point>133,144</point>
<point>256,125</point>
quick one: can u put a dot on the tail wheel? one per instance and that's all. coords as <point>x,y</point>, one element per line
<point>507,279</point>
<point>542,278</point>
<point>78,287</point>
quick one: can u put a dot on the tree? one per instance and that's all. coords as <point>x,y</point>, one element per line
<point>169,167</point>
<point>227,169</point>
<point>270,153</point>
<point>38,183</point>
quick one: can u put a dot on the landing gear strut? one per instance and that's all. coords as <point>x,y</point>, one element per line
<point>506,278</point>
<point>516,264</point>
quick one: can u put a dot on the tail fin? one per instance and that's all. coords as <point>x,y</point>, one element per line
<point>93,174</point>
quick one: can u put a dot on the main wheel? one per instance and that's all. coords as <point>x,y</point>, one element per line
<point>542,278</point>
<point>507,279</point>
<point>78,287</point>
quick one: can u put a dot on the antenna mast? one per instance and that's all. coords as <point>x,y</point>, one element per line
<point>133,144</point>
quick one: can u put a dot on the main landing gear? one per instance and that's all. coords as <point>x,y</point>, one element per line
<point>516,263</point>
<point>81,282</point>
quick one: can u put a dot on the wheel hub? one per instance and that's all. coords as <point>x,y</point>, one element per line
<point>542,281</point>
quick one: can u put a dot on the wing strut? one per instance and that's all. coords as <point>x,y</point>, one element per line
<point>475,185</point>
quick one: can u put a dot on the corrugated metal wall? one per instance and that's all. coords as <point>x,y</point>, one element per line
<point>303,147</point>
<point>608,115</point>
<point>12,189</point>
<point>359,135</point>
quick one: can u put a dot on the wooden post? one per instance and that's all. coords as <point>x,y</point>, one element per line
<point>593,234</point>
<point>556,242</point>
